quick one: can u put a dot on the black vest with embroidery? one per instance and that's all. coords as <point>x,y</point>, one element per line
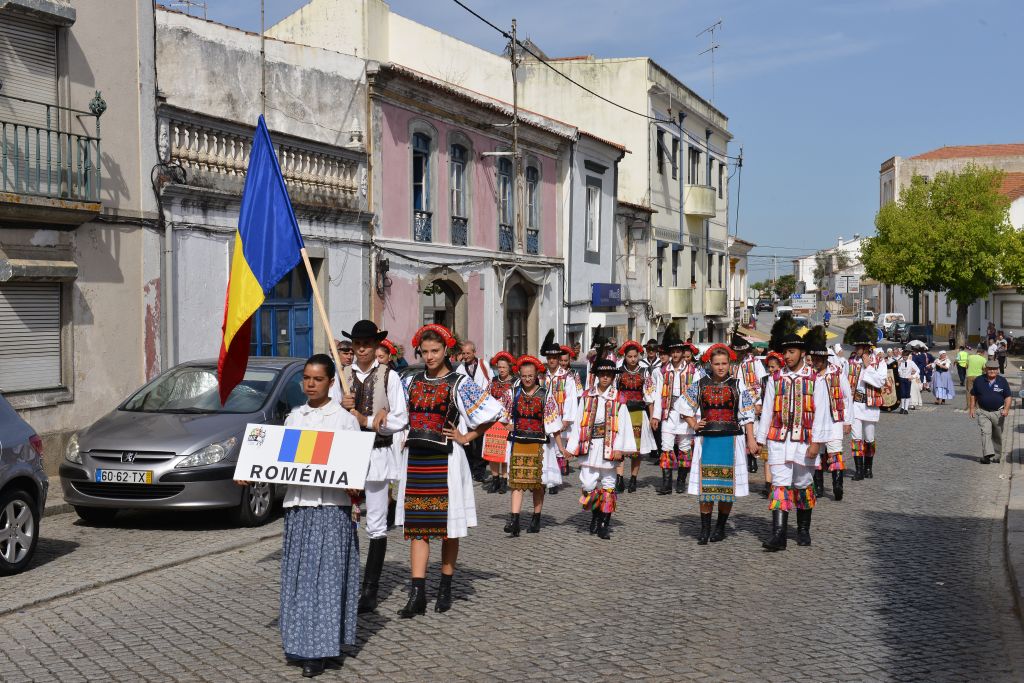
<point>631,388</point>
<point>719,406</point>
<point>364,392</point>
<point>528,417</point>
<point>432,407</point>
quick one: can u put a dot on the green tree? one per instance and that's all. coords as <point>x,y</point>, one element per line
<point>950,235</point>
<point>785,286</point>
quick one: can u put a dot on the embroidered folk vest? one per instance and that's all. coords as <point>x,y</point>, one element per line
<point>668,384</point>
<point>836,404</point>
<point>593,428</point>
<point>719,406</point>
<point>793,410</point>
<point>371,396</point>
<point>871,396</point>
<point>432,407</point>
<point>528,417</point>
<point>747,369</point>
<point>499,388</point>
<point>631,388</point>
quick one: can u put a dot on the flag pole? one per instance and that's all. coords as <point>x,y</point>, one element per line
<point>323,318</point>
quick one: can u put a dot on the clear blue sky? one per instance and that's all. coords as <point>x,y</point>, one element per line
<point>818,92</point>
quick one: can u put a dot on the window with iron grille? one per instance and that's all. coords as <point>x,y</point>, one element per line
<point>422,231</point>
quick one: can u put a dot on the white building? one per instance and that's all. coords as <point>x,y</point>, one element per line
<point>846,253</point>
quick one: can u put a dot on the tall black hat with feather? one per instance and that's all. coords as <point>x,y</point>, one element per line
<point>861,333</point>
<point>784,334</point>
<point>817,341</point>
<point>550,347</point>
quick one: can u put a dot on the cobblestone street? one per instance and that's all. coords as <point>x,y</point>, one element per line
<point>906,580</point>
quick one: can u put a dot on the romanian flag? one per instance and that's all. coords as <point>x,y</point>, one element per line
<point>306,446</point>
<point>267,247</point>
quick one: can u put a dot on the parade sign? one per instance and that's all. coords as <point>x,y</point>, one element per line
<point>286,455</point>
<point>495,441</point>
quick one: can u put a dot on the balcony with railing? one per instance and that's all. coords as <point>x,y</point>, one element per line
<point>215,155</point>
<point>681,301</point>
<point>460,231</point>
<point>506,238</point>
<point>49,161</point>
<point>532,242</point>
<point>699,200</point>
<point>422,226</point>
<point>715,302</point>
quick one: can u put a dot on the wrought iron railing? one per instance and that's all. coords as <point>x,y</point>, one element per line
<point>506,239</point>
<point>422,230</point>
<point>460,231</point>
<point>532,242</point>
<point>40,156</point>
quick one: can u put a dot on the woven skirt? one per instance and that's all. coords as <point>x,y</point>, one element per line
<point>319,581</point>
<point>525,465</point>
<point>717,469</point>
<point>426,495</point>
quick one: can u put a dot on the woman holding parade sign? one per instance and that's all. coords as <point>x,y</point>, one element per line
<point>320,557</point>
<point>447,411</point>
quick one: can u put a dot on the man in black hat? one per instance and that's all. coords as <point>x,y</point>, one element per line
<point>867,376</point>
<point>750,370</point>
<point>561,384</point>
<point>837,418</point>
<point>673,379</point>
<point>792,432</point>
<point>378,403</point>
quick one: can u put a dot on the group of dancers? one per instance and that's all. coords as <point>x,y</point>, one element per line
<point>712,416</point>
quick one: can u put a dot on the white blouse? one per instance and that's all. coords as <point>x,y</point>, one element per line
<point>330,416</point>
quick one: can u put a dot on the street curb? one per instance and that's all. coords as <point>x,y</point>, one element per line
<point>58,509</point>
<point>1013,468</point>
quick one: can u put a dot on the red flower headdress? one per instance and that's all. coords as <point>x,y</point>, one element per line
<point>527,359</point>
<point>631,344</point>
<point>776,355</point>
<point>706,358</point>
<point>569,350</point>
<point>444,332</point>
<point>391,348</point>
<point>505,355</point>
<point>693,348</point>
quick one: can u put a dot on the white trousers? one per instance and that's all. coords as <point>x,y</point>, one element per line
<point>376,493</point>
<point>834,446</point>
<point>683,442</point>
<point>792,474</point>
<point>863,431</point>
<point>590,477</point>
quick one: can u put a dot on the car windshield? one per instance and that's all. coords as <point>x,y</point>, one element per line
<point>193,389</point>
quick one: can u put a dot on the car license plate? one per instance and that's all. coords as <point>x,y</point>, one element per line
<point>124,476</point>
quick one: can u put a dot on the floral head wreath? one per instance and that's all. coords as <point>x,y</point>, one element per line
<point>444,332</point>
<point>631,345</point>
<point>775,355</point>
<point>389,347</point>
<point>706,358</point>
<point>569,350</point>
<point>505,355</point>
<point>531,360</point>
<point>693,348</point>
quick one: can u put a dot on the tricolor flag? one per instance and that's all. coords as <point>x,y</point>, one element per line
<point>267,247</point>
<point>305,446</point>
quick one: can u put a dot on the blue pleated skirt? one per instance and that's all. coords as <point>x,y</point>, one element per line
<point>319,581</point>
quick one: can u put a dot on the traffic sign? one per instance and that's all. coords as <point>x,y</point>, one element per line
<point>839,297</point>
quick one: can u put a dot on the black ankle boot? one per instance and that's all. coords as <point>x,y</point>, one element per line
<point>767,489</point>
<point>705,528</point>
<point>780,524</point>
<point>603,525</point>
<point>803,527</point>
<point>312,667</point>
<point>534,524</point>
<point>751,463</point>
<point>595,521</point>
<point>869,460</point>
<point>371,577</point>
<point>666,482</point>
<point>632,485</point>
<point>858,467</point>
<point>819,483</point>
<point>444,594</point>
<point>513,524</point>
<point>417,600</point>
<point>494,484</point>
<point>681,479</point>
<point>508,525</point>
<point>620,483</point>
<point>837,485</point>
<point>719,532</point>
<point>503,485</point>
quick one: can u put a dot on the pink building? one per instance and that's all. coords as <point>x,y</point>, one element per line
<point>457,239</point>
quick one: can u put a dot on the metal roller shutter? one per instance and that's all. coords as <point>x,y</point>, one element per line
<point>29,336</point>
<point>28,69</point>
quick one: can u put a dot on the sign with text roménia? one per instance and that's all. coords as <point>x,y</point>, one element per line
<point>310,457</point>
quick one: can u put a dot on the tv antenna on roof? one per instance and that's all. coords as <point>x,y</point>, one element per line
<point>717,26</point>
<point>186,6</point>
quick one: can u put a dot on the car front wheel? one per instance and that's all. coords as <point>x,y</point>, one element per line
<point>257,503</point>
<point>19,531</point>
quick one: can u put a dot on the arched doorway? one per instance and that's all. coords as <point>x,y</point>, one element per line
<point>439,302</point>
<point>517,320</point>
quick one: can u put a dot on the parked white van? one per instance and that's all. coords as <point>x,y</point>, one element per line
<point>779,310</point>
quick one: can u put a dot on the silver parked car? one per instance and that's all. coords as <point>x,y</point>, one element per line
<point>172,445</point>
<point>23,488</point>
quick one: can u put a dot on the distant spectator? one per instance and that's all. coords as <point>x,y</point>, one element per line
<point>1002,347</point>
<point>961,363</point>
<point>990,400</point>
<point>975,369</point>
<point>990,335</point>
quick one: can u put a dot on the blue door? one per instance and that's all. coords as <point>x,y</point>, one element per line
<point>282,326</point>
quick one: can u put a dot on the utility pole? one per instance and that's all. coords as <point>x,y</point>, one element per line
<point>518,194</point>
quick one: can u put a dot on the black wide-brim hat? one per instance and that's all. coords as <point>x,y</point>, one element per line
<point>740,343</point>
<point>366,329</point>
<point>604,365</point>
<point>792,340</point>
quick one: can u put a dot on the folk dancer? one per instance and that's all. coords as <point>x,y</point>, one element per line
<point>839,415</point>
<point>773,362</point>
<point>601,438</point>
<point>533,419</point>
<point>377,402</point>
<point>751,370</point>
<point>447,411</point>
<point>476,369</point>
<point>789,428</point>
<point>636,388</point>
<point>565,360</point>
<point>560,384</point>
<point>504,364</point>
<point>652,359</point>
<point>676,436</point>
<point>867,376</point>
<point>720,410</point>
<point>320,553</point>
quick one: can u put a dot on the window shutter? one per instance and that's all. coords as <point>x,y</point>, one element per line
<point>28,69</point>
<point>29,336</point>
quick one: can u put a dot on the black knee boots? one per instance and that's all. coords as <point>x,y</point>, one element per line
<point>705,528</point>
<point>666,482</point>
<point>858,467</point>
<point>837,485</point>
<point>371,577</point>
<point>681,479</point>
<point>819,483</point>
<point>719,532</point>
<point>803,527</point>
<point>780,525</point>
